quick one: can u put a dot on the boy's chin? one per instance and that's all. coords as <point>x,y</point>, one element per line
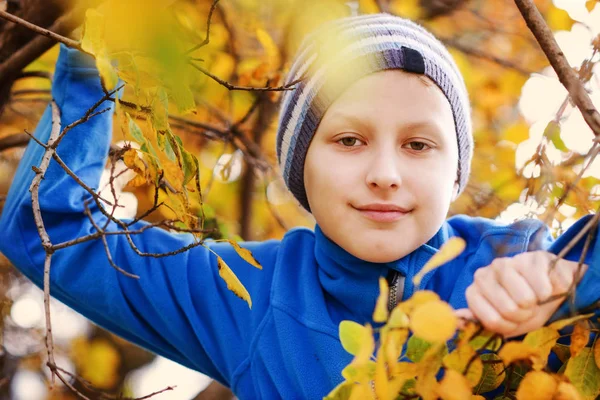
<point>381,255</point>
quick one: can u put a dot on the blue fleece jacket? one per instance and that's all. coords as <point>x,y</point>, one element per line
<point>287,346</point>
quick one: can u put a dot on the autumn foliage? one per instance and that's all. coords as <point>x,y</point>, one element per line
<point>418,352</point>
<point>197,85</point>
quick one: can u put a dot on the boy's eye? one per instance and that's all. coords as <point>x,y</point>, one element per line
<point>417,146</point>
<point>350,141</point>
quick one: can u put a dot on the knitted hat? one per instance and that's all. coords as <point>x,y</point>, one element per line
<point>343,51</point>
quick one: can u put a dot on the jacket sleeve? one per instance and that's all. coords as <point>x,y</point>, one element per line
<point>179,307</point>
<point>587,294</point>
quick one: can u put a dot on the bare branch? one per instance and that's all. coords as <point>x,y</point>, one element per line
<point>229,86</point>
<point>45,32</point>
<point>207,37</point>
<point>566,74</point>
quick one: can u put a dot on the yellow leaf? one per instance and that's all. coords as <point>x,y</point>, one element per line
<point>392,345</point>
<point>232,281</point>
<point>271,49</point>
<point>558,325</point>
<point>398,319</point>
<point>566,391</point>
<point>137,181</point>
<point>97,361</point>
<point>404,372</point>
<point>362,392</point>
<point>93,31</point>
<point>368,7</point>
<point>427,369</point>
<point>341,392</point>
<point>133,161</point>
<point>406,8</point>
<point>584,374</point>
<point>590,4</point>
<point>543,340</point>
<point>361,373</point>
<point>381,307</point>
<point>462,356</point>
<point>352,335</point>
<point>454,386</point>
<point>418,298</point>
<point>558,19</point>
<point>434,321</point>
<point>579,338</point>
<point>107,72</point>
<point>245,254</point>
<point>381,378</point>
<point>93,43</point>
<point>537,385</point>
<point>518,351</point>
<point>450,250</point>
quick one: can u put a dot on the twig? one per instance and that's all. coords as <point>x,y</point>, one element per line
<point>37,214</point>
<point>45,32</point>
<point>229,86</point>
<point>566,74</point>
<point>207,37</point>
<point>485,56</point>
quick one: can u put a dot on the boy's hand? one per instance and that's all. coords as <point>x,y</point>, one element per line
<point>504,296</point>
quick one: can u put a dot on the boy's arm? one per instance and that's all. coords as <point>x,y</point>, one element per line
<point>179,307</point>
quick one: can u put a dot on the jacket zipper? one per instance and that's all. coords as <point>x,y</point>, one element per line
<point>394,277</point>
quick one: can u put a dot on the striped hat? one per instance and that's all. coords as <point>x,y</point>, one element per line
<point>341,52</point>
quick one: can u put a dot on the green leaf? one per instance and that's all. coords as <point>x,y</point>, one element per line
<point>542,339</point>
<point>552,132</point>
<point>352,334</point>
<point>416,348</point>
<point>135,131</point>
<point>361,373</point>
<point>492,375</point>
<point>160,113</point>
<point>584,373</point>
<point>189,166</point>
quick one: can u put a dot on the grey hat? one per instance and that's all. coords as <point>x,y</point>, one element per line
<point>342,51</point>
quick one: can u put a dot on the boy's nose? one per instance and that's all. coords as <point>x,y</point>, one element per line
<point>384,172</point>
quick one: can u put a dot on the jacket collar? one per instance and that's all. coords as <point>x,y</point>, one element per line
<point>352,283</point>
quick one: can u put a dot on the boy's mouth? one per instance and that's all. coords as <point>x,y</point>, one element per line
<point>382,212</point>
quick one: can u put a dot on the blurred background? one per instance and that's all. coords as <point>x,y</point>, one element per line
<point>532,155</point>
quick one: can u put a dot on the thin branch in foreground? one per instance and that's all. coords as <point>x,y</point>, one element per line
<point>566,74</point>
<point>45,32</point>
<point>207,37</point>
<point>105,243</point>
<point>289,86</point>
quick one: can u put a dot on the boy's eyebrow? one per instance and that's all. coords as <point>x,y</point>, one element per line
<point>410,126</point>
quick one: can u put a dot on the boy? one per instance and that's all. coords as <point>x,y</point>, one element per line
<point>376,143</point>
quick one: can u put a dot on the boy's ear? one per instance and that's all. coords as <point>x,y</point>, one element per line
<point>455,191</point>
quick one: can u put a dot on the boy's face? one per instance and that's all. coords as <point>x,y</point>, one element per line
<point>381,170</point>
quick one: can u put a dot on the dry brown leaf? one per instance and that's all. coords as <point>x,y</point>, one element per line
<point>579,338</point>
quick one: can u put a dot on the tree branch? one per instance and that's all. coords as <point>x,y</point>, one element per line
<point>566,74</point>
<point>45,32</point>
